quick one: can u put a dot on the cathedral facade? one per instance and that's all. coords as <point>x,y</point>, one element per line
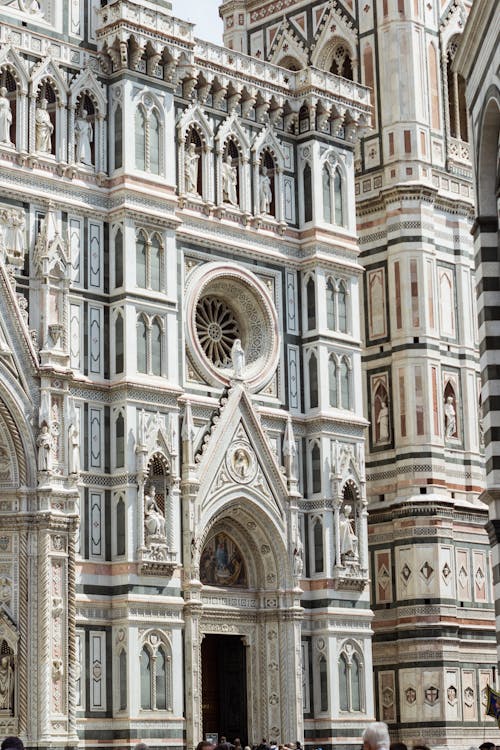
<point>237,314</point>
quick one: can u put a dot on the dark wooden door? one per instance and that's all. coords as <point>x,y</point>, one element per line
<point>224,697</point>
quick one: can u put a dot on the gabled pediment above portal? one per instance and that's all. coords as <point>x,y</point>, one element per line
<point>237,456</point>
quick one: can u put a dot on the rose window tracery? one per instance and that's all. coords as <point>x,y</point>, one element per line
<point>217,329</point>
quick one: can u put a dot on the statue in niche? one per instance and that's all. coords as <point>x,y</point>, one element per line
<point>383,422</point>
<point>348,539</point>
<point>191,169</point>
<point>238,359</point>
<point>84,135</point>
<point>5,591</point>
<point>5,116</point>
<point>44,443</point>
<point>16,228</point>
<point>43,129</point>
<point>265,192</point>
<point>154,520</point>
<point>298,558</point>
<point>74,449</point>
<point>450,418</point>
<point>229,181</point>
<point>6,684</point>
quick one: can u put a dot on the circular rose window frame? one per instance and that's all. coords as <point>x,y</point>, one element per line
<point>256,314</point>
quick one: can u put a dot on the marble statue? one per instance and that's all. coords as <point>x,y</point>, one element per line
<point>383,423</point>
<point>298,558</point>
<point>450,418</point>
<point>44,443</point>
<point>265,192</point>
<point>43,129</point>
<point>238,359</point>
<point>5,116</point>
<point>154,521</point>
<point>348,539</point>
<point>6,684</point>
<point>15,232</point>
<point>83,135</point>
<point>191,168</point>
<point>229,181</point>
<point>241,463</point>
<point>73,449</point>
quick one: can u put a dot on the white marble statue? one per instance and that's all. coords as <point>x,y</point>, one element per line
<point>6,684</point>
<point>5,116</point>
<point>84,135</point>
<point>348,539</point>
<point>15,233</point>
<point>229,181</point>
<point>43,129</point>
<point>191,168</point>
<point>383,422</point>
<point>74,449</point>
<point>154,521</point>
<point>238,359</point>
<point>265,192</point>
<point>44,443</point>
<point>450,418</point>
<point>298,558</point>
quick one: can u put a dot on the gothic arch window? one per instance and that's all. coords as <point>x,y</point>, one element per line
<point>318,546</point>
<point>46,120</point>
<point>332,381</point>
<point>119,344</point>
<point>156,347</point>
<point>140,256</point>
<point>307,192</point>
<point>304,119</point>
<point>8,136</point>
<point>457,107</point>
<point>351,679</point>
<point>316,468</point>
<point>331,316</point>
<point>122,679</point>
<point>313,382</point>
<point>345,383</point>
<point>120,527</point>
<point>156,674</point>
<point>341,64</point>
<point>142,346</point>
<point>290,63</point>
<point>342,306</point>
<point>118,137</point>
<point>120,441</point>
<point>118,248</point>
<point>311,304</point>
<point>140,138</point>
<point>149,261</point>
<point>323,684</point>
<point>146,680</point>
<point>148,135</point>
<point>333,195</point>
<point>150,345</point>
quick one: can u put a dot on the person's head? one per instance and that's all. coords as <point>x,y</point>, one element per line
<point>204,745</point>
<point>487,746</point>
<point>422,747</point>
<point>141,746</point>
<point>12,743</point>
<point>223,739</point>
<point>398,746</point>
<point>376,736</point>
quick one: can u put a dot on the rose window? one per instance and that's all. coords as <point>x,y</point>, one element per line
<point>217,329</point>
<point>226,303</point>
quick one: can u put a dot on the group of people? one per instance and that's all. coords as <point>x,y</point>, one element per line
<point>236,745</point>
<point>376,737</point>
